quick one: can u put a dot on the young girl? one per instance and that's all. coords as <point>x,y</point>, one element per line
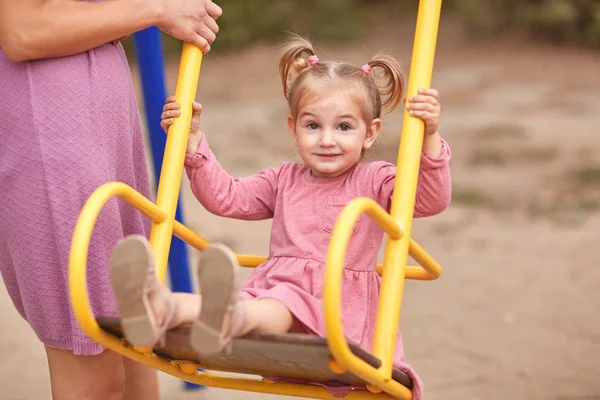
<point>335,111</point>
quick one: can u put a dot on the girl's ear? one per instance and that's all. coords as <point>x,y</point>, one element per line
<point>292,127</point>
<point>372,133</point>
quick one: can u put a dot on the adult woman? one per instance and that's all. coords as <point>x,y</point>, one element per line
<point>62,76</point>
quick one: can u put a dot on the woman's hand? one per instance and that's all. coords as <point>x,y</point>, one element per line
<point>193,21</point>
<point>37,29</point>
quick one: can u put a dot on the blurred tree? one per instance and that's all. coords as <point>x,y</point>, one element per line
<point>559,21</point>
<point>244,21</point>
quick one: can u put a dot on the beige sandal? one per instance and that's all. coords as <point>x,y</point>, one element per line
<point>222,316</point>
<point>133,277</point>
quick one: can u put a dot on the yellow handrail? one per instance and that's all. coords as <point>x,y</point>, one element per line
<point>403,203</point>
<point>397,247</point>
<point>172,168</point>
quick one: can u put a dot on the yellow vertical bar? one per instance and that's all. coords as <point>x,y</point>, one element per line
<point>409,157</point>
<point>172,167</point>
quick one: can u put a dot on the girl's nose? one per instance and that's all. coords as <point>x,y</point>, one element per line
<point>326,139</point>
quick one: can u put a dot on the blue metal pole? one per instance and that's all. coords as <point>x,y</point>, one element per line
<point>149,55</point>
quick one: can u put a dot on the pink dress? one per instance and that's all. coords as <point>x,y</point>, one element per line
<point>304,210</point>
<point>67,126</point>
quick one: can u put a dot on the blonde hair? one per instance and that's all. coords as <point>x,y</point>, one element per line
<point>298,74</point>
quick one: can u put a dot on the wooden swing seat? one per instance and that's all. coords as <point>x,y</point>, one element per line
<point>292,355</point>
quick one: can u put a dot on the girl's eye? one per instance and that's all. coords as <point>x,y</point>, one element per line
<point>344,127</point>
<point>312,125</point>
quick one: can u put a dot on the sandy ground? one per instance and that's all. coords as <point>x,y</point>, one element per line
<point>514,315</point>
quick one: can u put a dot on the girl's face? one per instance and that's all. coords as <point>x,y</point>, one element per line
<point>330,132</point>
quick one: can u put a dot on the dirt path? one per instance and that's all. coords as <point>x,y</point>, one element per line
<point>515,314</point>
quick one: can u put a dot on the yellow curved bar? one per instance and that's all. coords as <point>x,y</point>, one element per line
<point>332,292</point>
<point>172,168</point>
<point>412,272</point>
<point>430,268</point>
<point>193,239</point>
<point>81,305</point>
<point>403,201</point>
<point>81,242</point>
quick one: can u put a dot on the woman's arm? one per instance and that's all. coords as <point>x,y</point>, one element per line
<point>32,29</point>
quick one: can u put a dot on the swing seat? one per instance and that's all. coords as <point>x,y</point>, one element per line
<point>293,355</point>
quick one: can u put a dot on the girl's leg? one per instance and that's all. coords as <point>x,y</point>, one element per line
<point>143,299</point>
<point>187,309</point>
<point>223,315</point>
<point>266,316</point>
<point>147,308</point>
<point>263,315</point>
<point>100,377</point>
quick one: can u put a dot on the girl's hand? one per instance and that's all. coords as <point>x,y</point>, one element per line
<point>426,106</point>
<point>171,111</point>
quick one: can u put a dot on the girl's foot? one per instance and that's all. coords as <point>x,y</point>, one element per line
<point>222,314</point>
<point>146,306</point>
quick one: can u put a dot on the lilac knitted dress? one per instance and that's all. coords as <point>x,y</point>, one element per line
<point>67,126</point>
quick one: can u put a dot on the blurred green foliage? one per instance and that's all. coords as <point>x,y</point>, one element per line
<point>249,21</point>
<point>557,21</point>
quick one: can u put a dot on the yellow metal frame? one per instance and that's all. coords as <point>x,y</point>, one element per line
<point>394,271</point>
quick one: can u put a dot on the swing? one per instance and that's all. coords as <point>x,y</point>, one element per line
<point>297,356</point>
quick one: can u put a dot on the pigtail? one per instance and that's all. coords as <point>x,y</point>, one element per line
<point>291,62</point>
<point>392,92</point>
